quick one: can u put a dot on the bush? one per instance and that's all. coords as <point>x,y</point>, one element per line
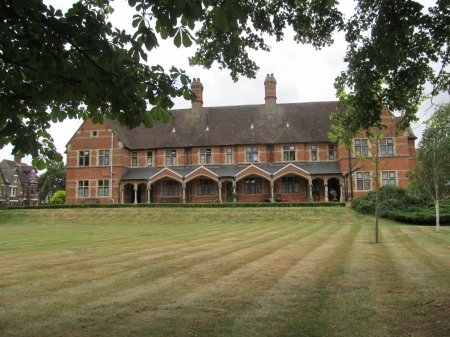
<point>59,198</point>
<point>391,199</point>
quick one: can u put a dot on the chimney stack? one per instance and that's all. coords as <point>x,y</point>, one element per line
<point>17,159</point>
<point>197,89</point>
<point>270,85</point>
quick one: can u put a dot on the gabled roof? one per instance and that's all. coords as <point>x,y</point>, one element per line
<point>231,171</point>
<point>8,174</point>
<point>232,125</point>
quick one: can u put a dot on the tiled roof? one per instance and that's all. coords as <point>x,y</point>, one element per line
<point>8,174</point>
<point>232,125</point>
<point>233,170</point>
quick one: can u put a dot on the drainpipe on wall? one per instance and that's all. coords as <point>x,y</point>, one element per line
<point>111,167</point>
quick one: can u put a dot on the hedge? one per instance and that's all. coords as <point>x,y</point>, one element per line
<point>422,218</point>
<point>191,205</point>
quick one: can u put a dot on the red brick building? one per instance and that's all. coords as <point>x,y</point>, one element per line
<point>261,152</point>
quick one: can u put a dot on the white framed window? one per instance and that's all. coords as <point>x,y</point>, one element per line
<point>289,153</point>
<point>363,181</point>
<point>94,134</point>
<point>251,154</point>
<point>103,188</point>
<point>206,187</point>
<point>229,155</point>
<point>387,147</point>
<point>290,184</point>
<point>12,191</point>
<point>253,186</point>
<point>331,154</point>
<point>205,156</point>
<point>171,157</point>
<point>388,178</point>
<point>83,158</point>
<point>134,159</point>
<point>149,158</point>
<point>83,188</point>
<point>15,179</point>
<point>361,147</point>
<point>313,152</point>
<point>171,187</point>
<point>103,157</point>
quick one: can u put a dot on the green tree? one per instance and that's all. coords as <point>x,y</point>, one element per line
<point>59,198</point>
<point>51,181</point>
<point>58,65</point>
<point>393,47</point>
<point>432,172</point>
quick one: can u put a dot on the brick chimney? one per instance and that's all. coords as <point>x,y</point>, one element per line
<point>18,160</point>
<point>271,93</point>
<point>197,89</point>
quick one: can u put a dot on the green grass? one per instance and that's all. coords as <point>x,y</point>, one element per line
<point>220,272</point>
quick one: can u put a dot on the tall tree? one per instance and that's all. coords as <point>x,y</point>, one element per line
<point>58,65</point>
<point>51,181</point>
<point>432,172</point>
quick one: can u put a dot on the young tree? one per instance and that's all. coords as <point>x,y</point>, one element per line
<point>432,172</point>
<point>51,181</point>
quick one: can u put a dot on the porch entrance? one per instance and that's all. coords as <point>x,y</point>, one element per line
<point>229,189</point>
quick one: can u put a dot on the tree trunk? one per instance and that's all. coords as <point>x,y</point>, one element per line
<point>438,216</point>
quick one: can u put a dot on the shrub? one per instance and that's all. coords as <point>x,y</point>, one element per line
<point>59,198</point>
<point>391,199</point>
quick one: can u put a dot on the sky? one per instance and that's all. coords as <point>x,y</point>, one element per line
<point>303,74</point>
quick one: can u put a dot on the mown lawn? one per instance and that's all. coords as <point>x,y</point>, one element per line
<point>220,272</point>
